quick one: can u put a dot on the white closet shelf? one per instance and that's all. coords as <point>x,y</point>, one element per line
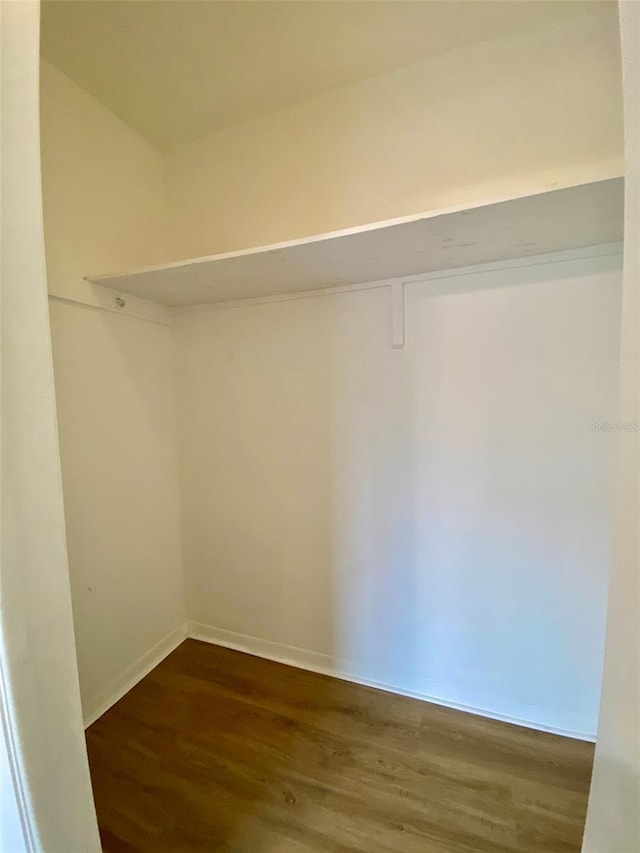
<point>585,215</point>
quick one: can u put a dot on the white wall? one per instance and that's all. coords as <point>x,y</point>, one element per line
<point>496,120</point>
<point>39,699</point>
<point>613,819</point>
<point>104,206</point>
<point>434,518</point>
<point>104,190</point>
<point>116,415</point>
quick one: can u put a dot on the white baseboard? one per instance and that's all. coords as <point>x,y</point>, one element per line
<point>101,702</point>
<point>448,695</point>
<point>438,693</point>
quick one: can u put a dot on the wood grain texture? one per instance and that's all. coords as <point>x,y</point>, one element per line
<point>218,750</point>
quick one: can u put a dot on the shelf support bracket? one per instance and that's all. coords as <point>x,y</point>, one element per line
<point>397,314</point>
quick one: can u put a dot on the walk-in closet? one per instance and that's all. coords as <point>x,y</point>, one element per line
<point>335,299</point>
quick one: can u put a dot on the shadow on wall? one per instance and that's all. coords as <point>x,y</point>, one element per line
<point>471,493</point>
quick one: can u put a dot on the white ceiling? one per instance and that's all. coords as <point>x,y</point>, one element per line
<point>177,69</point>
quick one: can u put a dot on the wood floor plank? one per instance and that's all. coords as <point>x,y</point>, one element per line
<point>219,751</point>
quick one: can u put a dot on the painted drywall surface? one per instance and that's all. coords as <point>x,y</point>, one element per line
<point>175,72</point>
<point>497,120</point>
<point>103,201</point>
<point>116,420</point>
<point>104,191</point>
<point>613,819</point>
<point>434,518</point>
<point>40,713</point>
